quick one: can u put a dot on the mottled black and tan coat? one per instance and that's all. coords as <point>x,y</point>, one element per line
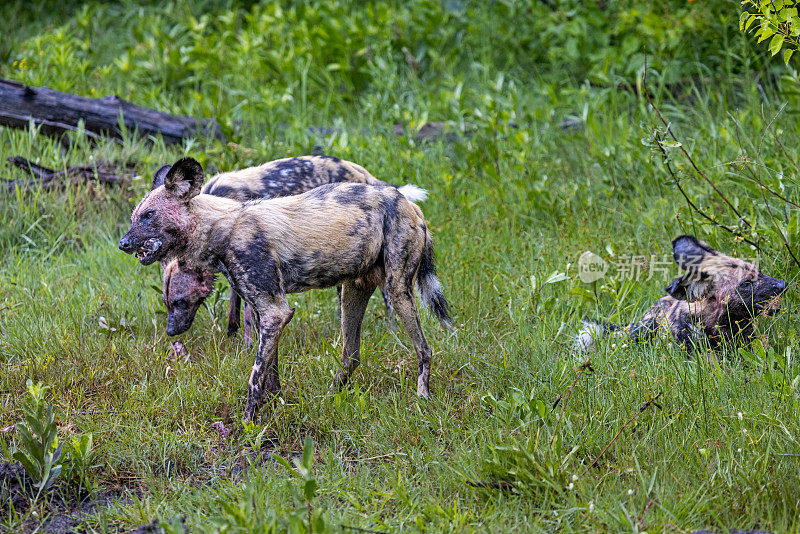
<point>354,235</point>
<point>714,302</point>
<point>279,178</point>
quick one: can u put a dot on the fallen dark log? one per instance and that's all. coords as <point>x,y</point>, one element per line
<point>102,172</point>
<point>56,113</point>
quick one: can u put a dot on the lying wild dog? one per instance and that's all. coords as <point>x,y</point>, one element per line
<point>716,300</point>
<point>279,178</point>
<point>354,235</point>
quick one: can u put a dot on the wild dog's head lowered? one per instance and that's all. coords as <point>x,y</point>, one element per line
<point>160,221</point>
<point>185,289</point>
<point>732,291</point>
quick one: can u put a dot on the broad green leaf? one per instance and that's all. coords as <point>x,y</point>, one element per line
<point>26,463</point>
<point>308,451</point>
<point>742,19</point>
<point>309,489</point>
<point>787,55</point>
<point>556,277</point>
<point>750,22</point>
<point>776,43</point>
<point>765,32</point>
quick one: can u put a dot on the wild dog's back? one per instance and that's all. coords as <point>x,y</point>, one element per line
<point>288,176</point>
<point>332,233</point>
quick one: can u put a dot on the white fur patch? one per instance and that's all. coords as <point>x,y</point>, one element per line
<point>584,340</point>
<point>413,193</point>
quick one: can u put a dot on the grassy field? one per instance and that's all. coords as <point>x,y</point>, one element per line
<point>552,166</point>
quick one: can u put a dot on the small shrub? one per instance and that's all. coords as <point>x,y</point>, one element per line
<point>39,451</point>
<point>79,463</point>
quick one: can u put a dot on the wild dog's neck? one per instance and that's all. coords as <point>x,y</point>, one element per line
<point>719,322</point>
<point>211,220</point>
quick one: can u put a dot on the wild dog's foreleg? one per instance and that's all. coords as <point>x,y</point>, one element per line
<point>354,304</point>
<point>272,318</point>
<point>233,313</point>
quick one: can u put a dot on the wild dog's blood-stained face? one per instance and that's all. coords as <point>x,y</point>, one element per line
<point>184,291</point>
<point>159,223</point>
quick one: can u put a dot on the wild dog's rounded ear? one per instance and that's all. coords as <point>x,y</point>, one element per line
<point>159,175</point>
<point>689,252</point>
<point>676,289</point>
<point>184,179</point>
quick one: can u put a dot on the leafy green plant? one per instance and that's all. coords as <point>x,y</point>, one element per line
<point>78,464</point>
<point>780,373</point>
<point>39,451</point>
<point>777,20</point>
<point>308,518</point>
<point>533,466</point>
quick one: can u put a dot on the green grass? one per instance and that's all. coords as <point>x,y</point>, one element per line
<point>508,206</point>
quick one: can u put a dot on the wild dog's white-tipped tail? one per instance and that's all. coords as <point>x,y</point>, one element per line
<point>430,288</point>
<point>413,193</point>
<point>585,339</point>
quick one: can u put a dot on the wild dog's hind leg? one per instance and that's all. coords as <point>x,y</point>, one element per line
<point>233,313</point>
<point>389,310</point>
<point>354,303</point>
<point>402,296</point>
<point>249,321</point>
<point>272,318</point>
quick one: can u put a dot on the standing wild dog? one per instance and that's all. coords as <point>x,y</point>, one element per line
<point>716,300</point>
<point>279,178</point>
<point>354,235</point>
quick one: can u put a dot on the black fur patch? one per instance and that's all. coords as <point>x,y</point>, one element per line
<point>257,268</point>
<point>231,192</point>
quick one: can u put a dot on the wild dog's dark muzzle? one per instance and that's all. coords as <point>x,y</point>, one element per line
<point>770,295</point>
<point>177,326</point>
<point>779,285</point>
<point>125,244</point>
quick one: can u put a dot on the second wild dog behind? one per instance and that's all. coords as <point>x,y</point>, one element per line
<point>353,235</point>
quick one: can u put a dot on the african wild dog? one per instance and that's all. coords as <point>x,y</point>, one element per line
<point>716,300</point>
<point>355,235</point>
<point>279,178</point>
<point>186,287</point>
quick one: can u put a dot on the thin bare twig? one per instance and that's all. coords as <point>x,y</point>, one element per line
<point>100,171</point>
<point>683,149</point>
<point>490,484</point>
<point>642,408</point>
<point>785,152</point>
<point>764,195</point>
<point>752,178</point>
<point>694,207</point>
